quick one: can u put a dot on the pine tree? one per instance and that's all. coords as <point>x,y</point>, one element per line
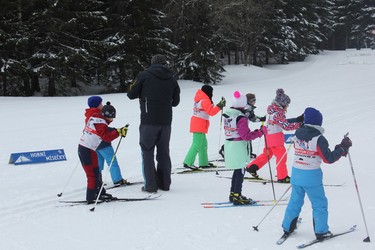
<point>136,32</point>
<point>363,32</point>
<point>354,23</point>
<point>243,24</point>
<point>193,33</point>
<point>279,37</point>
<point>13,49</point>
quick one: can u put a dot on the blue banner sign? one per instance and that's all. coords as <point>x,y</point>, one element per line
<point>37,157</point>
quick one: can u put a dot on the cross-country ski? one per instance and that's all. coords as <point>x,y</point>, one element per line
<point>312,242</point>
<point>114,199</point>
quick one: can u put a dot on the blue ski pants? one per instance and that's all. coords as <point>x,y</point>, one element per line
<point>106,154</point>
<point>319,204</point>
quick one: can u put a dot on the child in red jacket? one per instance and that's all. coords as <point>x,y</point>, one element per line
<point>96,131</point>
<point>276,123</point>
<point>199,124</point>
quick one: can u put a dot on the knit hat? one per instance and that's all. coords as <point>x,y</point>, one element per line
<point>208,90</point>
<point>239,100</point>
<point>250,98</point>
<point>313,116</point>
<point>94,101</point>
<point>281,98</point>
<point>109,111</point>
<point>158,59</point>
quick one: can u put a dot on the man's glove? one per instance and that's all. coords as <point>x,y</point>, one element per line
<point>345,144</point>
<point>122,131</point>
<point>222,103</point>
<point>300,118</point>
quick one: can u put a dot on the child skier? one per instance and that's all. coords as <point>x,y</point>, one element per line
<point>237,133</point>
<point>105,150</point>
<point>311,148</point>
<point>251,99</point>
<point>276,123</point>
<point>96,131</point>
<point>199,124</point>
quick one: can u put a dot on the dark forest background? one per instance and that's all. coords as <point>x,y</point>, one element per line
<point>64,47</point>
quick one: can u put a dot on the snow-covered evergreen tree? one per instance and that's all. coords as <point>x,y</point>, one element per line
<point>136,31</point>
<point>193,33</point>
<point>355,22</point>
<point>13,49</point>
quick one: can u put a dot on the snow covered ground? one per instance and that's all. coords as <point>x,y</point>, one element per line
<point>340,84</point>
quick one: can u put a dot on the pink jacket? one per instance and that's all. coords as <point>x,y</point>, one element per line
<point>276,123</point>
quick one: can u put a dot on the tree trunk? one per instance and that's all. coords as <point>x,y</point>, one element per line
<point>255,61</point>
<point>35,87</point>
<point>236,57</point>
<point>122,77</point>
<point>51,86</point>
<point>246,57</point>
<point>4,83</point>
<point>73,82</point>
<point>346,40</point>
<point>333,42</point>
<point>26,86</point>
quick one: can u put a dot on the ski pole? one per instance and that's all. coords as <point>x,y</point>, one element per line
<point>286,191</point>
<point>282,157</point>
<point>109,168</point>
<point>367,239</point>
<point>259,143</point>
<point>218,149</point>
<point>269,166</point>
<point>70,177</point>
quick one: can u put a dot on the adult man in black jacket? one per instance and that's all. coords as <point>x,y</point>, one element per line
<point>158,92</point>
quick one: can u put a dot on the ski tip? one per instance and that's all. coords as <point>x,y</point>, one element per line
<point>367,239</point>
<point>154,196</point>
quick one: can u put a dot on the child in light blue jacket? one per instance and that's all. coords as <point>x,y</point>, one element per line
<point>311,149</point>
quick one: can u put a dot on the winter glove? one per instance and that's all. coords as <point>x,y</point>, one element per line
<point>222,103</point>
<point>258,133</point>
<point>123,131</point>
<point>262,119</point>
<point>345,144</point>
<point>250,115</point>
<point>300,118</point>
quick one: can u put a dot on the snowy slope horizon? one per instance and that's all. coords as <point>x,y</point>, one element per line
<point>338,83</point>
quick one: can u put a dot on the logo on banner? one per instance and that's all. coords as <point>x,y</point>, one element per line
<point>37,157</point>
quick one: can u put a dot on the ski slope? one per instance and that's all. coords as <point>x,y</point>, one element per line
<point>338,83</point>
